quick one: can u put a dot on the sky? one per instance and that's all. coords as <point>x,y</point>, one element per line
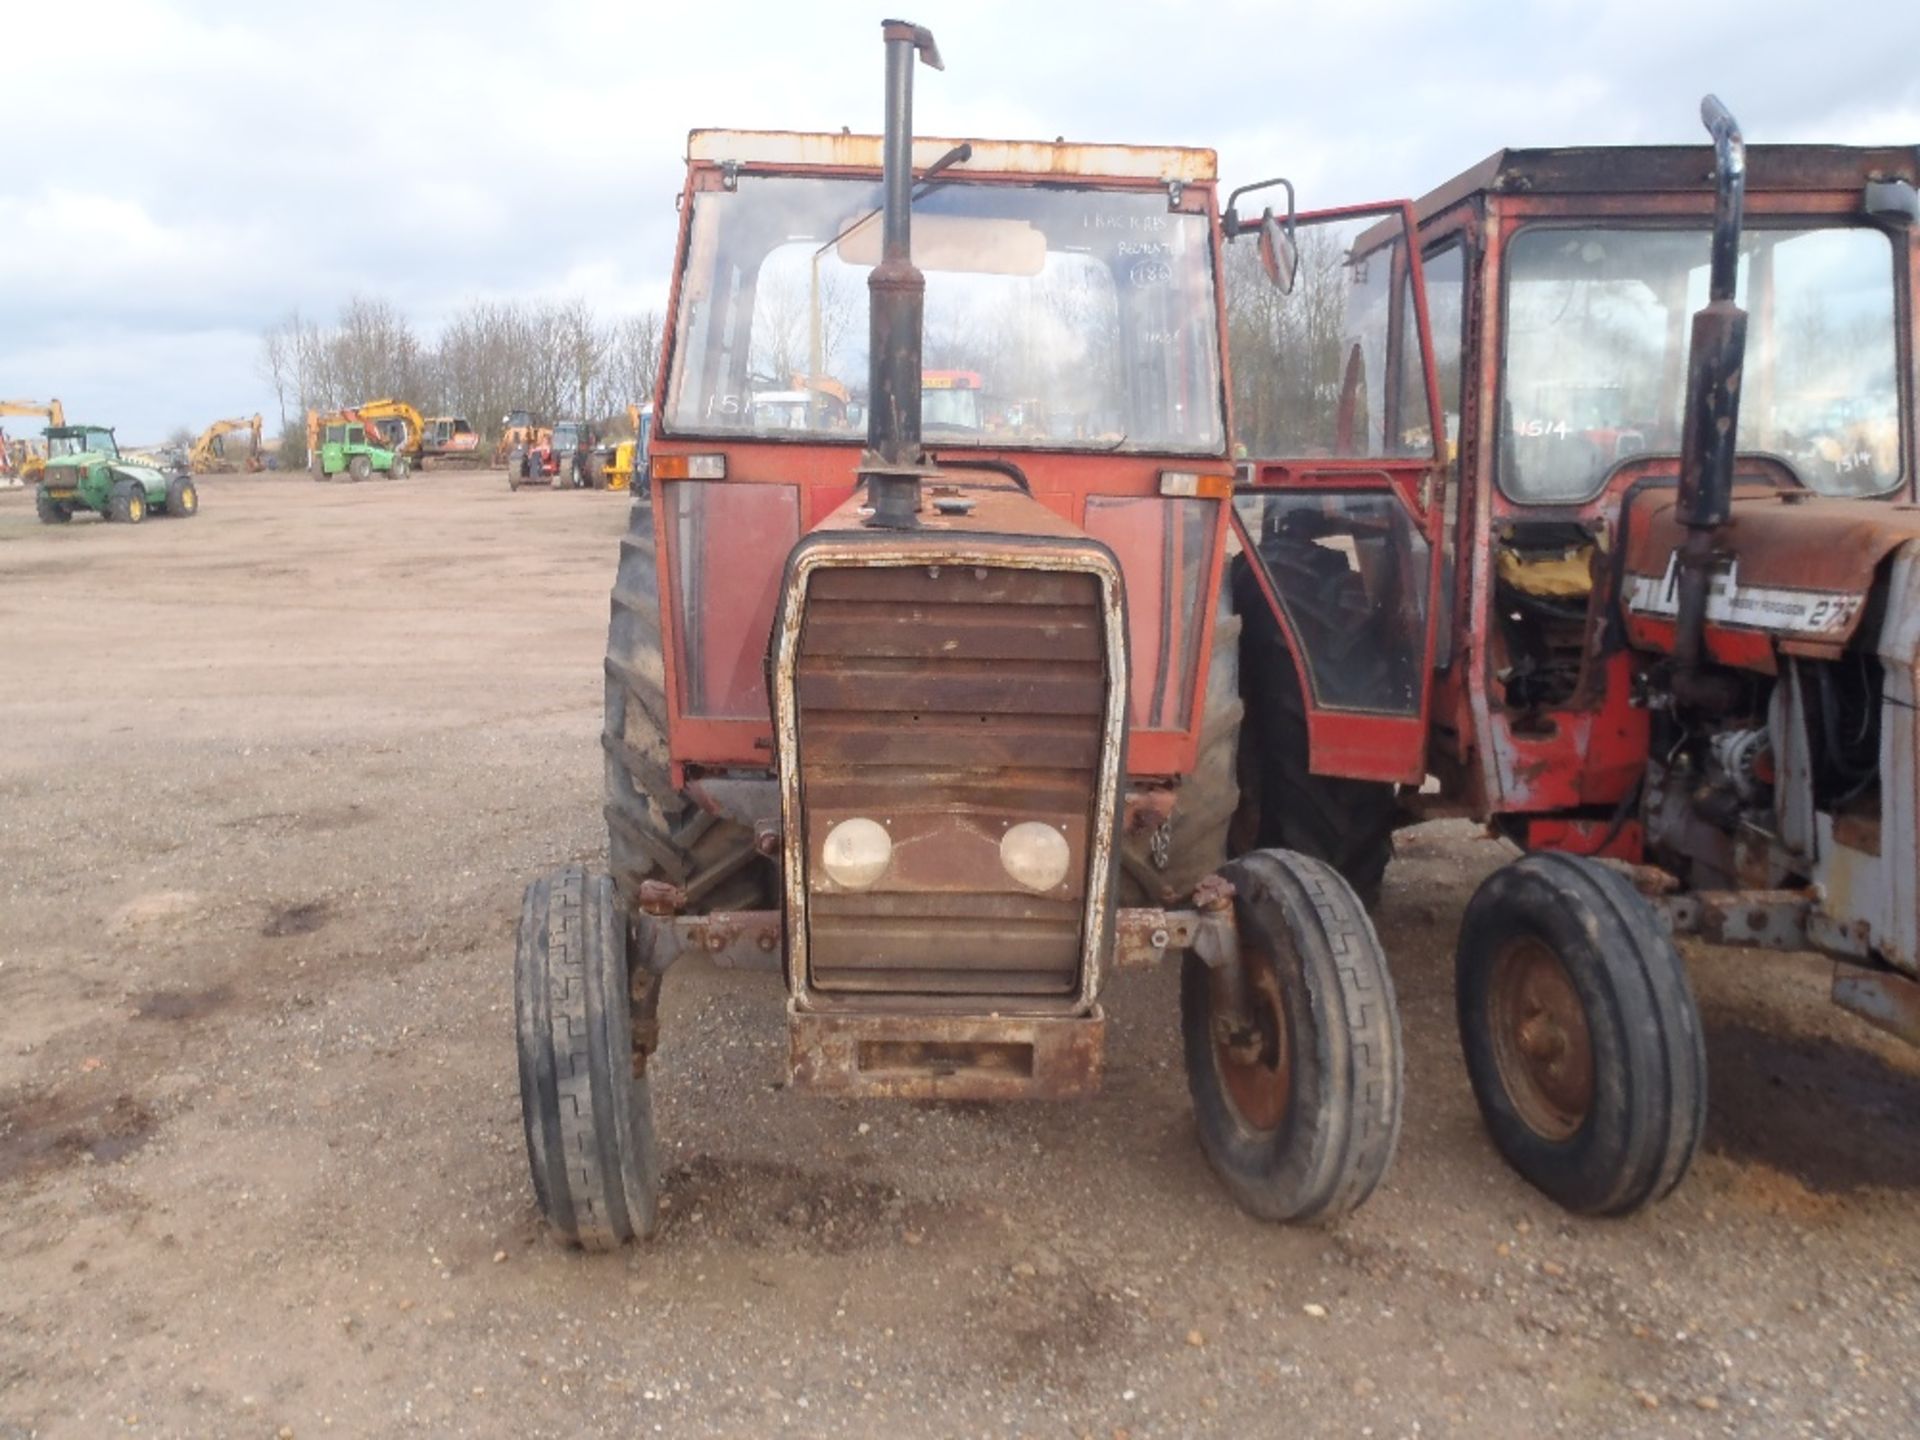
<point>188,173</point>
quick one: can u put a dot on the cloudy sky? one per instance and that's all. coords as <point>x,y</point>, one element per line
<point>182,174</point>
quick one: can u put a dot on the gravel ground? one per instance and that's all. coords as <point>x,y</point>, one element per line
<point>271,783</point>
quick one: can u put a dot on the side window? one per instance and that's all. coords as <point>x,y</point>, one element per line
<point>1324,370</point>
<point>1446,273</point>
<point>1350,570</point>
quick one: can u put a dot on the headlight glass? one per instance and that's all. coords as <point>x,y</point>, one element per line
<point>857,853</point>
<point>1035,854</point>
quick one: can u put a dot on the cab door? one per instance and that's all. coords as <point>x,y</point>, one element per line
<point>1338,505</point>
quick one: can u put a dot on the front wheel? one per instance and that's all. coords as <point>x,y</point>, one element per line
<point>360,467</point>
<point>1297,1097</point>
<point>1580,1033</point>
<point>588,1117</point>
<point>183,499</point>
<point>400,469</point>
<point>127,503</point>
<point>50,510</point>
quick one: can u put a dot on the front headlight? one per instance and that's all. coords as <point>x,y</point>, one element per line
<point>1036,855</point>
<point>857,853</point>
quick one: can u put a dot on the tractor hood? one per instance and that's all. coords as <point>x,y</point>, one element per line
<point>1799,570</point>
<point>141,474</point>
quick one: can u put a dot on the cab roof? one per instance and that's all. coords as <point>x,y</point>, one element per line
<point>1665,169</point>
<point>1055,159</point>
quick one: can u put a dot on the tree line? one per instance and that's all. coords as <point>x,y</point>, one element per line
<point>560,360</point>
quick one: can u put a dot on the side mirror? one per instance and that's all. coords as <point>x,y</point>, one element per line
<point>1892,202</point>
<point>1279,254</point>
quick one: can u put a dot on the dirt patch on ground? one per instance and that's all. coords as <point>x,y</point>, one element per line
<point>260,1154</point>
<point>48,1131</point>
<point>301,917</point>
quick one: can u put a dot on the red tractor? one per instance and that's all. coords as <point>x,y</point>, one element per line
<point>1656,620</point>
<point>943,731</point>
<point>562,457</point>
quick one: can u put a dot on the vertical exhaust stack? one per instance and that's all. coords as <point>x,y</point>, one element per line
<point>1710,428</point>
<point>896,291</point>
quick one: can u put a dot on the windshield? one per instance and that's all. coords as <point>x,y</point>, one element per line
<point>1598,324</point>
<point>1087,316</point>
<point>80,443</point>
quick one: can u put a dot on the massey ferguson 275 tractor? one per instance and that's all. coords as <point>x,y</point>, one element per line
<point>1658,622</point>
<point>942,728</point>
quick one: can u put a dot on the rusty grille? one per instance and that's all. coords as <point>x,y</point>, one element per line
<point>949,703</point>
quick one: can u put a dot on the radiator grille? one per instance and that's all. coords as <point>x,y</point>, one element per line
<point>949,702</point>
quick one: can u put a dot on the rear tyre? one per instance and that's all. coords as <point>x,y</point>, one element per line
<point>653,830</point>
<point>359,467</point>
<point>1298,1114</point>
<point>402,467</point>
<point>516,468</point>
<point>1193,844</point>
<point>1581,1034</point>
<point>127,502</point>
<point>1347,823</point>
<point>587,1117</point>
<point>183,499</point>
<point>50,510</point>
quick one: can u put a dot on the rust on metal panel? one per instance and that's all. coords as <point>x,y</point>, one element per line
<point>730,939</point>
<point>1881,998</point>
<point>948,730</point>
<point>784,149</point>
<point>948,1057</point>
<point>1639,170</point>
<point>1767,919</point>
<point>1144,936</point>
<point>1804,564</point>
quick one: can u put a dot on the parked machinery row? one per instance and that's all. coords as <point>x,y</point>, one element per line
<point>946,723</point>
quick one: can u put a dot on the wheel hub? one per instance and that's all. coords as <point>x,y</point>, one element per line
<point>1256,1066</point>
<point>1541,1041</point>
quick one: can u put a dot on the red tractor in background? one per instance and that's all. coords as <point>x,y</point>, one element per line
<point>1656,618</point>
<point>943,731</point>
<point>562,456</point>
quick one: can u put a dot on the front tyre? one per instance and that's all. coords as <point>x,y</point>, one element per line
<point>183,499</point>
<point>127,503</point>
<point>588,1118</point>
<point>400,469</point>
<point>1580,1033</point>
<point>1299,1110</point>
<point>359,467</point>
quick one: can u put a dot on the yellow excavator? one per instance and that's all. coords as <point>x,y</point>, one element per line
<point>400,425</point>
<point>21,460</point>
<point>209,453</point>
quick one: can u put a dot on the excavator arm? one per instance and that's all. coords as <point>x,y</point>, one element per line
<point>208,453</point>
<point>32,465</point>
<point>374,411</point>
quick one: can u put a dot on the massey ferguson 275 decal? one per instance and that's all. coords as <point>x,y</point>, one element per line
<point>1773,608</point>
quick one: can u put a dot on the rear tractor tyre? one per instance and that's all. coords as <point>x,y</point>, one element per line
<point>1298,1112</point>
<point>588,1117</point>
<point>1347,823</point>
<point>1581,1034</point>
<point>401,468</point>
<point>50,510</point>
<point>183,499</point>
<point>516,468</point>
<point>653,830</point>
<point>359,467</point>
<point>127,502</point>
<point>1193,843</point>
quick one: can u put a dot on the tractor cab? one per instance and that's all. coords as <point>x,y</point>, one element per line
<point>65,441</point>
